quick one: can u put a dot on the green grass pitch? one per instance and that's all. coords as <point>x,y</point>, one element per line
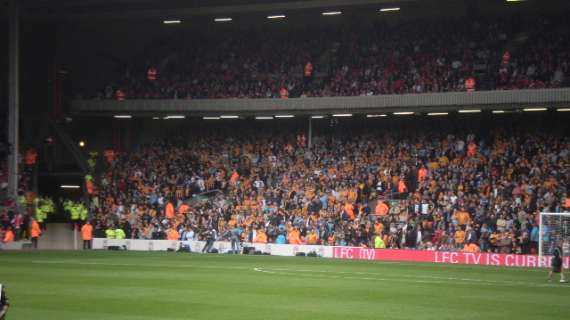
<point>143,285</point>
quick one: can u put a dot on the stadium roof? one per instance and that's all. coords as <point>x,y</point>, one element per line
<point>141,9</point>
<point>71,9</point>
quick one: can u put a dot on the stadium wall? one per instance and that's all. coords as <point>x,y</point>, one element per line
<point>511,99</point>
<point>486,259</point>
<point>348,253</point>
<point>221,246</point>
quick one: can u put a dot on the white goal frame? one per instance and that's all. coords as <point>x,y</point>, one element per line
<point>540,234</point>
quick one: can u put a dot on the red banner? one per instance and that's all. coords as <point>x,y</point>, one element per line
<point>486,259</point>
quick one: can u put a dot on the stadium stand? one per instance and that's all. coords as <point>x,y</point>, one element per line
<point>14,221</point>
<point>14,218</point>
<point>485,54</point>
<point>425,185</point>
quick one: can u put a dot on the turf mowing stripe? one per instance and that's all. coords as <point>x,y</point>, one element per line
<point>364,262</point>
<point>146,285</point>
<point>154,265</point>
<point>298,272</point>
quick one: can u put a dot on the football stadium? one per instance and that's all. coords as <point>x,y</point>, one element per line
<point>284,159</point>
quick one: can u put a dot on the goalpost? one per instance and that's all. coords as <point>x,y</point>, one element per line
<point>554,230</point>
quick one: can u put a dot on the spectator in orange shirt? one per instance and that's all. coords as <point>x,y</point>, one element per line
<point>172,234</point>
<point>462,217</point>
<point>471,248</point>
<point>402,188</point>
<point>169,210</point>
<point>459,238</point>
<point>295,236</point>
<point>422,174</point>
<point>313,238</point>
<point>349,209</point>
<point>8,235</point>
<point>378,228</point>
<point>382,209</point>
<point>261,236</point>
<point>331,239</point>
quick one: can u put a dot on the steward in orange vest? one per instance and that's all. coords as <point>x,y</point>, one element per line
<point>36,232</point>
<point>8,236</point>
<point>87,235</point>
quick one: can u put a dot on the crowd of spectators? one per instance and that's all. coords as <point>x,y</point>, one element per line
<point>14,218</point>
<point>409,57</point>
<point>414,185</point>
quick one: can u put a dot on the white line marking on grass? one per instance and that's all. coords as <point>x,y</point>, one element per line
<point>264,271</point>
<point>410,279</point>
<point>313,273</point>
<point>437,265</point>
<point>373,273</point>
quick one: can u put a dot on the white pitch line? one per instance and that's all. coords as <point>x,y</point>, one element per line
<point>373,273</point>
<point>299,272</point>
<point>264,271</point>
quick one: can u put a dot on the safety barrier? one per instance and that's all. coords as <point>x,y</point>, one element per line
<point>221,246</point>
<point>440,101</point>
<point>487,259</point>
<point>350,253</point>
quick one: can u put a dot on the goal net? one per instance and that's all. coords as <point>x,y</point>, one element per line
<point>554,230</point>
